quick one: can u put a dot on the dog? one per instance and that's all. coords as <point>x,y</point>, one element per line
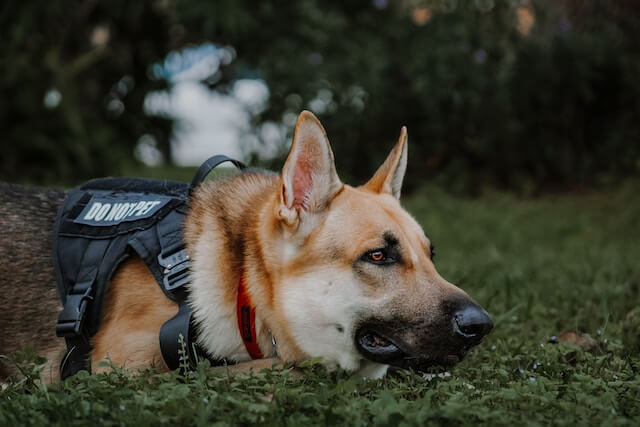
<point>335,272</point>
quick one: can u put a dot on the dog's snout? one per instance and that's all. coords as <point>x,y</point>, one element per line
<point>472,322</point>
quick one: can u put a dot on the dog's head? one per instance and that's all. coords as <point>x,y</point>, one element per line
<point>358,280</point>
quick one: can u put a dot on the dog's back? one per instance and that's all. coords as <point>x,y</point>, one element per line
<point>29,302</point>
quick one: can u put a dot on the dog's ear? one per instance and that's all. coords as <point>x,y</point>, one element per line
<point>388,178</point>
<point>309,179</point>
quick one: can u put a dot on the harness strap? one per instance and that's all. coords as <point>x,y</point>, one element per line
<point>176,263</point>
<point>71,320</point>
<point>170,333</point>
<point>210,164</point>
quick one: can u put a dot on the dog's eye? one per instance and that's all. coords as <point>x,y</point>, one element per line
<point>432,250</point>
<point>378,256</point>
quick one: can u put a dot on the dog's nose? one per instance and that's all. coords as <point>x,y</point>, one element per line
<point>472,322</point>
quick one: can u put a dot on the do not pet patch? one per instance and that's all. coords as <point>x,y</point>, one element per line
<point>105,211</point>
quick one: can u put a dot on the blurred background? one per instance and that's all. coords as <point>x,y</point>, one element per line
<point>528,95</point>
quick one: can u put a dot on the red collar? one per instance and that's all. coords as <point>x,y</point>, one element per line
<point>247,320</point>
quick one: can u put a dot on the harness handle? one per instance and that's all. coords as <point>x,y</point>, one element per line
<point>210,164</point>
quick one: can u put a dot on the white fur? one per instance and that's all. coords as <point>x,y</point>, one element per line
<point>216,320</point>
<point>372,370</point>
<point>315,304</point>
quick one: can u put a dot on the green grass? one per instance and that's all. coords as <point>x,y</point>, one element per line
<point>540,267</point>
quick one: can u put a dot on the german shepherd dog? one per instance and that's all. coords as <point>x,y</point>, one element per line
<point>337,272</point>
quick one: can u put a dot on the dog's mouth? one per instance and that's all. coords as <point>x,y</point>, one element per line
<point>381,347</point>
<point>377,348</point>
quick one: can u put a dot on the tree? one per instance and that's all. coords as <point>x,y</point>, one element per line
<point>524,95</point>
<point>74,82</point>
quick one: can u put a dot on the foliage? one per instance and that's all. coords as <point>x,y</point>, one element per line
<point>486,101</point>
<point>73,85</point>
<point>539,266</point>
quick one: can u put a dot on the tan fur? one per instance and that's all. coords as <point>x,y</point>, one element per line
<point>388,178</point>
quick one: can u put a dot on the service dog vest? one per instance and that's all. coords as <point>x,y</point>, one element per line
<point>101,224</point>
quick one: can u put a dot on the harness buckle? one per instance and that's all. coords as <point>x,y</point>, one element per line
<point>176,269</point>
<point>71,318</point>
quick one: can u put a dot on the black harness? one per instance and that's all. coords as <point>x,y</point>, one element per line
<point>101,224</point>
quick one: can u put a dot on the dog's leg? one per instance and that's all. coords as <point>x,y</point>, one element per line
<point>135,310</point>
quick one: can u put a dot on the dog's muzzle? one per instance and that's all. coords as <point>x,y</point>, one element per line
<point>420,345</point>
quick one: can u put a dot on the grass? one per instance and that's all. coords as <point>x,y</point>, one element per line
<point>540,267</point>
